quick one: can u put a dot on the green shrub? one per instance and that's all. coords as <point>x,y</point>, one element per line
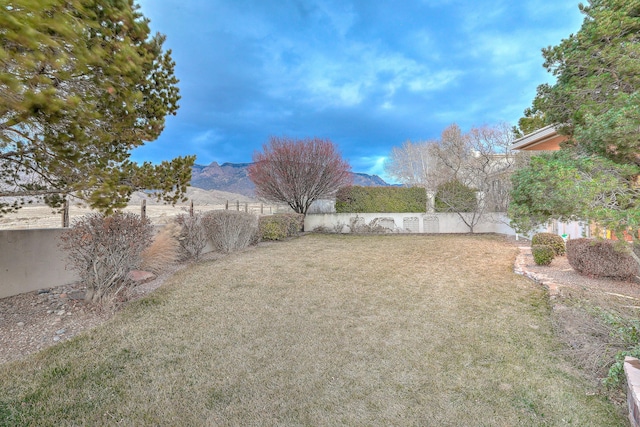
<point>602,258</point>
<point>280,226</point>
<point>356,199</point>
<point>542,254</point>
<point>550,239</point>
<point>229,231</point>
<point>272,230</point>
<point>454,196</point>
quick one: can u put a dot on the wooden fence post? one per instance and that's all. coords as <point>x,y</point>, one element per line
<point>261,208</point>
<point>143,208</point>
<point>191,209</point>
<point>65,214</point>
<point>226,206</point>
<point>238,205</point>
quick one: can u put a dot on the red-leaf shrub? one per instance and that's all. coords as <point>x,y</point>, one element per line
<point>104,249</point>
<point>601,258</point>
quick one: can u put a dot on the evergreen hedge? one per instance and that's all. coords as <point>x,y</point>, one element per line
<point>356,199</point>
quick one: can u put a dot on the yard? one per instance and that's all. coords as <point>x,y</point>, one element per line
<point>321,330</point>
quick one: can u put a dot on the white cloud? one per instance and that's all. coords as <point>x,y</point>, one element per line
<point>371,165</point>
<point>349,75</point>
<point>432,82</point>
<point>340,15</point>
<point>208,137</point>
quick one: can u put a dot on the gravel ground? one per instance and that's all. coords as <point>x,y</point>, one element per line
<point>560,275</point>
<point>35,320</point>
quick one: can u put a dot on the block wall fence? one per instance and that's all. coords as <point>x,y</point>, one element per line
<point>30,259</point>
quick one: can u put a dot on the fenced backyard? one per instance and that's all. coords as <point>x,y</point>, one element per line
<point>321,330</point>
<point>33,217</point>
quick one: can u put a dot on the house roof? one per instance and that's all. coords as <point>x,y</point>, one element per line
<point>545,139</point>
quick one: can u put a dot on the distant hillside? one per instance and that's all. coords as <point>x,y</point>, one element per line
<point>233,178</point>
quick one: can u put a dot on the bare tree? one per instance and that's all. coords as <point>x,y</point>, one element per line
<point>297,172</point>
<point>413,165</point>
<point>458,165</point>
<point>493,163</point>
<point>479,161</point>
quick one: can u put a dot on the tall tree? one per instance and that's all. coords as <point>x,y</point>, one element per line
<point>596,102</point>
<point>566,186</point>
<point>297,172</point>
<point>533,120</point>
<point>457,165</point>
<point>595,98</point>
<point>478,162</point>
<point>413,164</point>
<point>82,83</point>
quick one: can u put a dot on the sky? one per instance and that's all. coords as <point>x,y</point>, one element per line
<point>366,74</point>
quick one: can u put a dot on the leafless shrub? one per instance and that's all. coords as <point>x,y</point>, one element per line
<point>590,342</point>
<point>192,237</point>
<point>104,249</point>
<point>375,226</point>
<point>164,250</point>
<point>231,230</point>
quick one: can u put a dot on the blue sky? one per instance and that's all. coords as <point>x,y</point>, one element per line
<point>367,74</point>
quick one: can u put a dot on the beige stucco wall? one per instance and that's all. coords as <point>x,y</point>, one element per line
<point>31,260</point>
<point>410,222</point>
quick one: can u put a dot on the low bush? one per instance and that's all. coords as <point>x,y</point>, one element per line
<point>164,250</point>
<point>356,199</point>
<point>280,226</point>
<point>542,254</point>
<point>104,249</point>
<point>550,239</point>
<point>230,231</point>
<point>193,236</point>
<point>602,258</point>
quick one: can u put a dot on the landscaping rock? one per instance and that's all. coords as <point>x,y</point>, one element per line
<point>139,276</point>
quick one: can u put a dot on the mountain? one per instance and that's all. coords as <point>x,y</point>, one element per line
<point>230,177</point>
<point>233,178</point>
<point>366,180</point>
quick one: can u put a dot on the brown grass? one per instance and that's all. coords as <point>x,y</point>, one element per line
<point>321,330</point>
<point>164,250</point>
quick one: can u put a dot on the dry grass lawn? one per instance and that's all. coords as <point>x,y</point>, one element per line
<point>322,330</point>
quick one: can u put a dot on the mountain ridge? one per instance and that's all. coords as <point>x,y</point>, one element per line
<point>234,178</point>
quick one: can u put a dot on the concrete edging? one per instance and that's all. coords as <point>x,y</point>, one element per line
<point>632,373</point>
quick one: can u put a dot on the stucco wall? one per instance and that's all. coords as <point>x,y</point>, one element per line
<point>31,260</point>
<point>408,222</point>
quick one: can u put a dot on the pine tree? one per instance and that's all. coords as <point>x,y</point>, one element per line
<point>82,83</point>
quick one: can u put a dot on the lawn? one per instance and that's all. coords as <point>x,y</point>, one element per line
<point>321,330</point>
